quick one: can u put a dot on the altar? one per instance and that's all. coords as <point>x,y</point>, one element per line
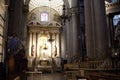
<point>43,40</point>
<point>48,68</point>
<point>51,65</point>
<point>44,62</point>
<point>44,46</point>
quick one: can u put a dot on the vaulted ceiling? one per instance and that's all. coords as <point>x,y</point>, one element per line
<point>55,4</point>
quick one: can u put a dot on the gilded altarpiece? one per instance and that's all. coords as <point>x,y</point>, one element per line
<point>43,43</point>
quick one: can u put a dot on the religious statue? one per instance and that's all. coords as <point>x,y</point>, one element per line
<point>33,19</point>
<point>55,51</point>
<point>32,50</point>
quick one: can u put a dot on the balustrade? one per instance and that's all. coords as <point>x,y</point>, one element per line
<point>81,68</point>
<point>93,65</point>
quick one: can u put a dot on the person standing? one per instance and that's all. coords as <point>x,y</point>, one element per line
<point>14,44</point>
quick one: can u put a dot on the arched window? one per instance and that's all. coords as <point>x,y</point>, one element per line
<point>116,18</point>
<point>114,1</point>
<point>44,16</point>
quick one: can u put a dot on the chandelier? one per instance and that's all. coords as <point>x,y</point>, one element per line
<point>64,17</point>
<point>50,37</point>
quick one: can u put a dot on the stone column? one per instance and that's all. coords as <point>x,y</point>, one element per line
<point>11,12</point>
<point>96,29</point>
<point>101,33</point>
<point>25,17</point>
<point>88,28</point>
<point>68,41</point>
<point>57,44</point>
<point>63,41</point>
<point>74,27</point>
<point>110,30</point>
<point>18,19</point>
<point>30,43</point>
<point>59,37</point>
<point>38,44</point>
<point>25,32</point>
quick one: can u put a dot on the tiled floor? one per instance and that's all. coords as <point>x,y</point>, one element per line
<point>47,76</point>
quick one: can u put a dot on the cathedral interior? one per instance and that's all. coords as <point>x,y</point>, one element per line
<point>68,39</point>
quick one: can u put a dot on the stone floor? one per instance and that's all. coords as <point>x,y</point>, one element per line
<point>47,76</point>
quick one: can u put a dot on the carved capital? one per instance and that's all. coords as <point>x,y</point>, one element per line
<point>73,10</point>
<point>26,9</point>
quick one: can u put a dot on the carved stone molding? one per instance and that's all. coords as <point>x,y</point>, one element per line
<point>73,10</point>
<point>112,7</point>
<point>39,29</point>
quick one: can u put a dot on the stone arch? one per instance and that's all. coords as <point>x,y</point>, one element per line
<point>66,2</point>
<point>55,16</point>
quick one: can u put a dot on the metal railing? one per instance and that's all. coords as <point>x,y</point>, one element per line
<point>74,69</point>
<point>94,65</point>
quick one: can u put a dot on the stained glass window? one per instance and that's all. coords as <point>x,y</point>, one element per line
<point>44,16</point>
<point>116,18</point>
<point>114,1</point>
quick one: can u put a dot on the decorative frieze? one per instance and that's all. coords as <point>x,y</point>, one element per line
<point>42,28</point>
<point>112,7</point>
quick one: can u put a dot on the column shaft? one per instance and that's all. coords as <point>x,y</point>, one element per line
<point>101,33</point>
<point>68,52</point>
<point>74,26</point>
<point>30,43</point>
<point>89,28</point>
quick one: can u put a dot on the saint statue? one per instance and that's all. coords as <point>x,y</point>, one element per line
<point>32,50</point>
<point>55,51</point>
